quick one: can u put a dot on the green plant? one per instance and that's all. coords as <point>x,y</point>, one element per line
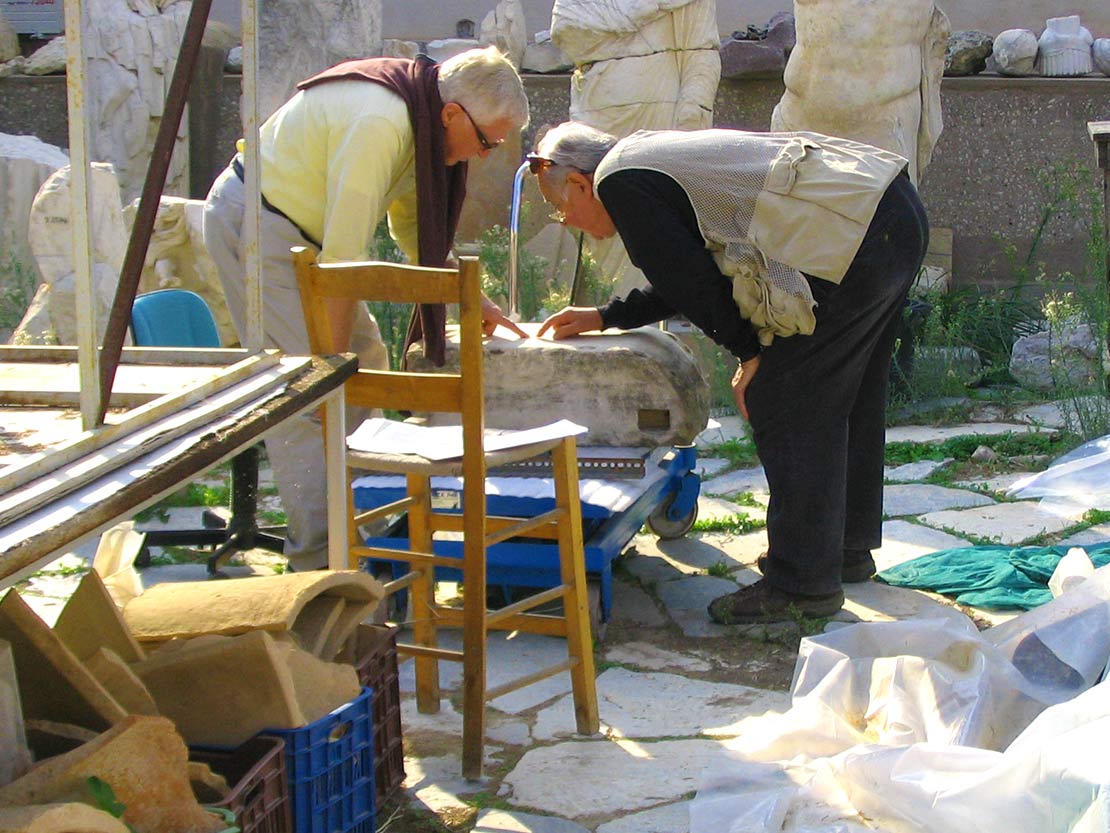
<point>393,319</point>
<point>738,524</point>
<point>17,288</point>
<point>719,569</point>
<point>739,452</point>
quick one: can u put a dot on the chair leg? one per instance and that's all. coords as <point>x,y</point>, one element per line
<point>474,630</point>
<point>423,596</point>
<point>572,566</point>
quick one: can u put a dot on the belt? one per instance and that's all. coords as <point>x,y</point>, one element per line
<point>237,167</point>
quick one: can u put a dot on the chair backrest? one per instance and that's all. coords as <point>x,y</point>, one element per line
<point>323,286</point>
<point>173,318</point>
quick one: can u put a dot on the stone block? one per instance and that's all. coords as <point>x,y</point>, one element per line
<point>142,759</point>
<point>48,59</point>
<point>221,691</point>
<point>1014,52</point>
<point>545,57</point>
<point>91,621</point>
<point>504,28</point>
<point>235,606</point>
<point>120,681</point>
<point>631,389</point>
<point>967,53</point>
<point>53,684</point>
<point>58,818</point>
<point>9,40</point>
<point>440,50</point>
<point>751,59</point>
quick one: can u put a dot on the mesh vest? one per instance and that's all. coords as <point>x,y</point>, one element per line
<point>769,207</point>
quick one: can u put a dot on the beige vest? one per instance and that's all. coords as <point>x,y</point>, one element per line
<point>769,206</point>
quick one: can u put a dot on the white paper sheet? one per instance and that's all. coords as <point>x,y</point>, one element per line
<point>444,442</point>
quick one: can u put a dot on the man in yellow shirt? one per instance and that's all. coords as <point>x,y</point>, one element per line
<point>365,139</point>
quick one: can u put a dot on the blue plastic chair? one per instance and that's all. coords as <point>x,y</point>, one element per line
<point>173,318</point>
<point>180,318</point>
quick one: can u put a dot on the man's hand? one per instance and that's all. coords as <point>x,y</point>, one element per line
<point>492,317</point>
<point>570,321</point>
<point>740,382</point>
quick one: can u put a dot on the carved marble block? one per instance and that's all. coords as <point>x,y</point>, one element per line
<point>1065,48</point>
<point>1014,53</point>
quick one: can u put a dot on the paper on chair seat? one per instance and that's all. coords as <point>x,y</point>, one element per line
<point>444,442</point>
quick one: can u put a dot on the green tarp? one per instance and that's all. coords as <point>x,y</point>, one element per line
<point>989,576</point>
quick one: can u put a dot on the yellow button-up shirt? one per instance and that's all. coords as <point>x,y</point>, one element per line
<point>337,158</point>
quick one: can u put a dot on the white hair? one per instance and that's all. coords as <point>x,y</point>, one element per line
<point>486,84</point>
<point>575,145</point>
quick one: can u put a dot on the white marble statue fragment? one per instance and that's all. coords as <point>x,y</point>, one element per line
<point>25,164</point>
<point>52,318</point>
<point>504,28</point>
<point>1014,53</point>
<point>1100,53</point>
<point>1065,48</point>
<point>641,64</point>
<point>868,71</point>
<point>296,40</point>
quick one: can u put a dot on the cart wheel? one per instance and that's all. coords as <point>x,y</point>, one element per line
<point>593,599</point>
<point>664,527</point>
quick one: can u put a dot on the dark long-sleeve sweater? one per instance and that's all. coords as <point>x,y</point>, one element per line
<point>659,229</point>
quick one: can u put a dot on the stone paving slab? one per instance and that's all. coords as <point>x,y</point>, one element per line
<point>709,466</point>
<point>904,541</point>
<point>873,601</point>
<point>716,508</point>
<point>648,774</point>
<point>1004,523</point>
<point>998,484</point>
<point>934,434</point>
<point>499,821</point>
<point>437,782</point>
<point>654,704</point>
<point>751,480</point>
<point>645,656</point>
<point>1050,414</point>
<point>695,553</point>
<point>509,655</point>
<point>686,601</point>
<point>910,472</point>
<point>670,818</point>
<point>631,605</point>
<point>1099,534</point>
<point>920,498</point>
<point>728,428</point>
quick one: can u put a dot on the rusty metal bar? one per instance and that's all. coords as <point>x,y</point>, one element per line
<point>137,246</point>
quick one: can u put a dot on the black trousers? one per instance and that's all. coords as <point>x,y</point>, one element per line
<point>818,405</point>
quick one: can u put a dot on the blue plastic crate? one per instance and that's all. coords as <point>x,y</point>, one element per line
<point>329,765</point>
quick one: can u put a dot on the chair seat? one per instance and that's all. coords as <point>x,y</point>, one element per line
<point>415,464</point>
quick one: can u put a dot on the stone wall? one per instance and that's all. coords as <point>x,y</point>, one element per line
<point>998,134</point>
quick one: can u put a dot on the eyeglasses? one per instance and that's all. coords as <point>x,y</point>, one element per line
<point>537,163</point>
<point>482,140</point>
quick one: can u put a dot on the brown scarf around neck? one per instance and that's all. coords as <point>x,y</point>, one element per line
<point>440,188</point>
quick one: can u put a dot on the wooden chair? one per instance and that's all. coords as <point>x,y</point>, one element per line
<point>322,286</point>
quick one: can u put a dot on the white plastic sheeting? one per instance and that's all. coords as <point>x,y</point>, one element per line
<point>1078,480</point>
<point>929,725</point>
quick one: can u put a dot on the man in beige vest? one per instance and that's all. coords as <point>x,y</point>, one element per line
<point>794,251</point>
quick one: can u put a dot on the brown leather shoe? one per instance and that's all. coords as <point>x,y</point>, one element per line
<point>851,572</point>
<point>760,602</point>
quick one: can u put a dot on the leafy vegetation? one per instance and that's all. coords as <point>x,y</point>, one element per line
<point>738,524</point>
